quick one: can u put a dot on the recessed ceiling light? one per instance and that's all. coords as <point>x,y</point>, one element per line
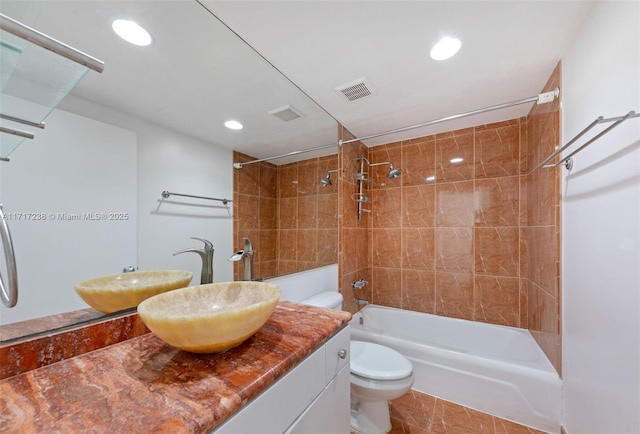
<point>233,125</point>
<point>445,48</point>
<point>132,32</point>
<point>456,160</point>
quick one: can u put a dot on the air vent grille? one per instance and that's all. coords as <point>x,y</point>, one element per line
<point>356,90</point>
<point>286,113</point>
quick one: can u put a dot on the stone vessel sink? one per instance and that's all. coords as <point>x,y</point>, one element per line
<point>210,318</point>
<point>122,291</point>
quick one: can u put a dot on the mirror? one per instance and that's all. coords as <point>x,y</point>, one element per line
<point>153,121</point>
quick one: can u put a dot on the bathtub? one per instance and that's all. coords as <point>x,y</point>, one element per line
<point>494,369</point>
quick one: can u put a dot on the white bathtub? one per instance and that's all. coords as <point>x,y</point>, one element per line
<point>494,369</point>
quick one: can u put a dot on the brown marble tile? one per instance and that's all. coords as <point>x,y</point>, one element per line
<point>453,146</point>
<point>455,204</point>
<point>542,264</point>
<point>287,244</point>
<point>248,215</point>
<point>418,290</point>
<point>307,216</point>
<point>386,206</point>
<point>328,211</point>
<point>391,152</point>
<point>386,248</point>
<point>327,246</point>
<point>350,250</point>
<point>497,251</point>
<point>306,245</point>
<point>418,161</point>
<point>386,284</point>
<point>287,213</point>
<point>268,180</point>
<point>247,179</point>
<point>418,206</point>
<point>287,267</point>
<point>454,250</point>
<point>497,201</point>
<point>417,412</point>
<point>268,245</point>
<point>288,180</point>
<point>497,300</point>
<point>497,151</point>
<point>308,177</point>
<point>454,295</point>
<point>418,249</point>
<point>268,213</point>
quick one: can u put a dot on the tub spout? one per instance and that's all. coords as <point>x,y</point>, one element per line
<point>206,254</point>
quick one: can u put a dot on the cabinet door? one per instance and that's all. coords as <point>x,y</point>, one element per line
<point>330,412</point>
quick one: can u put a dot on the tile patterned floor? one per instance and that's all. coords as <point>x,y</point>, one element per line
<point>418,413</point>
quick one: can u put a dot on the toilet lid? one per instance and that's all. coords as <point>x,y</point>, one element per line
<point>378,362</point>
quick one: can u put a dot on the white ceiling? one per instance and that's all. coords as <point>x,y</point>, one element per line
<point>198,74</point>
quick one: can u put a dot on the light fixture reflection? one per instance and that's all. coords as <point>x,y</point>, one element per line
<point>445,48</point>
<point>132,32</point>
<point>233,125</point>
<point>456,160</point>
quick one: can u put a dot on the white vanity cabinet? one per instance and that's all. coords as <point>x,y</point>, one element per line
<point>311,398</point>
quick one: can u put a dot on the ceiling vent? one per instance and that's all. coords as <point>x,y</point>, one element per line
<point>286,113</point>
<point>356,90</point>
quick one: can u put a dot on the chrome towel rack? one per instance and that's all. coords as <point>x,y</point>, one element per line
<point>568,160</point>
<point>166,194</point>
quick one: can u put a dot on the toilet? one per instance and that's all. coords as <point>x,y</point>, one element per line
<point>378,374</point>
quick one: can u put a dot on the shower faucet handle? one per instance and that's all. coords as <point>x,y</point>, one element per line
<point>359,284</point>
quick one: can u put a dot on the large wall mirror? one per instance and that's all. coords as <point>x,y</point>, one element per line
<point>154,121</point>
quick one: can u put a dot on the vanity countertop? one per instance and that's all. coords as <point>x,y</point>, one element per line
<point>144,385</point>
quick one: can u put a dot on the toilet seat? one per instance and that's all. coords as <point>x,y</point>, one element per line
<point>378,362</point>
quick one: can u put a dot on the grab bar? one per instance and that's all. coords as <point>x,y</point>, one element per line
<point>568,161</point>
<point>166,194</point>
<point>10,296</point>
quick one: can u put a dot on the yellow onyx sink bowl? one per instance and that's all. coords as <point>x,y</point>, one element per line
<point>210,318</point>
<point>122,291</point>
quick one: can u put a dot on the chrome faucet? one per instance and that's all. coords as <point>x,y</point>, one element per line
<point>206,276</point>
<point>246,256</point>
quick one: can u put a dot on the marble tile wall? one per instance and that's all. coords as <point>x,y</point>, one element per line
<point>354,253</point>
<point>288,216</point>
<point>542,227</point>
<point>445,236</point>
<point>255,214</point>
<point>478,239</point>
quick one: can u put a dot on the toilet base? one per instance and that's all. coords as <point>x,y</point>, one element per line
<point>371,417</point>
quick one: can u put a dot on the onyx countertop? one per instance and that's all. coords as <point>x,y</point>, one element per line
<point>144,385</point>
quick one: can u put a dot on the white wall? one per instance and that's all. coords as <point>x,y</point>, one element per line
<point>601,227</point>
<point>168,160</point>
<point>115,162</point>
<point>70,200</point>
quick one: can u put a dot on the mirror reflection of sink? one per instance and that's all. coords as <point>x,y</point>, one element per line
<point>210,318</point>
<point>116,292</point>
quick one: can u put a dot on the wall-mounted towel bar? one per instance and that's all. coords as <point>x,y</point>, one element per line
<point>567,161</point>
<point>166,194</point>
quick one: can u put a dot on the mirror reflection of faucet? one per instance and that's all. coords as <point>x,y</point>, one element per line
<point>246,256</point>
<point>206,254</point>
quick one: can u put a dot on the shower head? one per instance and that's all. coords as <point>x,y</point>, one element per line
<point>394,172</point>
<point>326,181</point>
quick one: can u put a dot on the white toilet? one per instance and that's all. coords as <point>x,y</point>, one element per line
<point>378,374</point>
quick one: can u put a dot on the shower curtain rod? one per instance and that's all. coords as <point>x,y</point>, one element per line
<point>541,98</point>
